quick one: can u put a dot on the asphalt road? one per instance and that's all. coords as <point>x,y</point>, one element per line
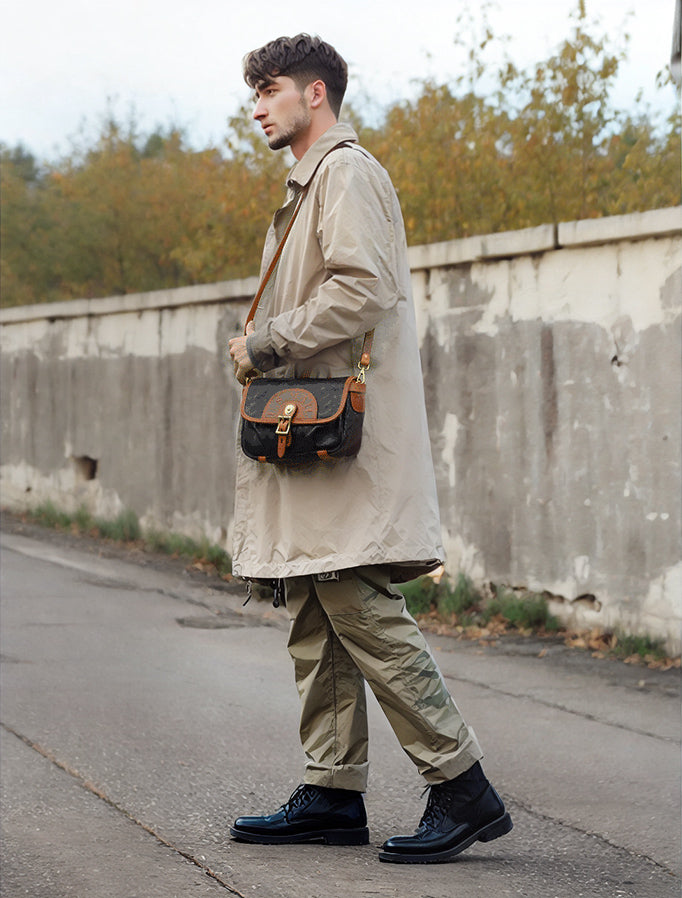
<point>142,710</point>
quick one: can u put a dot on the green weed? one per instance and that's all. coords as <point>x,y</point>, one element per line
<point>125,527</point>
<point>647,648</point>
<point>178,545</point>
<point>458,599</point>
<point>83,520</point>
<point>526,612</point>
<point>463,605</point>
<point>48,515</point>
<point>420,595</point>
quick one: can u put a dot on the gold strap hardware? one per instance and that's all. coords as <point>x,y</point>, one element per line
<point>284,425</point>
<point>363,364</point>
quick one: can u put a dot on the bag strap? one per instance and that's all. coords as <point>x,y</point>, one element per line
<point>275,260</point>
<point>363,364</point>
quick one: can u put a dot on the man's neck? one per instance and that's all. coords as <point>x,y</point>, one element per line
<point>319,124</point>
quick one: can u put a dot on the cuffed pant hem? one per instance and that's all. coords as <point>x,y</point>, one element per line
<point>447,769</point>
<point>352,776</point>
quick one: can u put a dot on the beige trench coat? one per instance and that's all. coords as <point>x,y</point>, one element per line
<point>343,271</point>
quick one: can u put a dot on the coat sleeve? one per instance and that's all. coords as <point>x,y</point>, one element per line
<point>356,238</point>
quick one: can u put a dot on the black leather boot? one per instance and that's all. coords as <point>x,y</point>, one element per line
<point>458,813</point>
<point>312,814</point>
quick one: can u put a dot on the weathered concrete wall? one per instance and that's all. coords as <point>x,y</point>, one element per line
<point>136,384</point>
<point>552,369</point>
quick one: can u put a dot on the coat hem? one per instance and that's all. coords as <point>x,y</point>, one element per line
<point>401,569</point>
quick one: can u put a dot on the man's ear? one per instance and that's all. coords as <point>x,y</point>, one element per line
<point>317,93</point>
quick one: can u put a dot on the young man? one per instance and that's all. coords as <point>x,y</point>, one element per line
<point>340,535</point>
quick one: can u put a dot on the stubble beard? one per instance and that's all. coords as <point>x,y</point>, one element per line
<point>285,138</point>
<point>280,141</point>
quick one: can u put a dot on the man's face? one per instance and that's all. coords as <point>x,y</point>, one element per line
<point>282,111</point>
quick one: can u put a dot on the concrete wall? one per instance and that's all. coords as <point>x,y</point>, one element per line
<point>552,369</point>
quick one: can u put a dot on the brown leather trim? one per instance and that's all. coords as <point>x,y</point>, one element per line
<point>323,454</point>
<point>305,402</point>
<point>273,263</point>
<point>357,401</point>
<point>350,385</point>
<point>367,349</point>
<point>278,251</point>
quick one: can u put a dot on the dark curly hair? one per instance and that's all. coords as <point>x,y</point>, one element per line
<point>303,58</point>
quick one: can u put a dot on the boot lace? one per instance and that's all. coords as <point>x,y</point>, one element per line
<point>301,796</point>
<point>437,806</point>
<point>448,800</point>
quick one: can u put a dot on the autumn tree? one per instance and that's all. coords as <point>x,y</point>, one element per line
<point>560,137</point>
<point>495,148</point>
<point>505,148</point>
<point>135,212</point>
<point>27,235</point>
<point>234,198</point>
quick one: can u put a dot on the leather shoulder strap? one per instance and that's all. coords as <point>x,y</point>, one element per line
<point>273,263</point>
<point>369,336</point>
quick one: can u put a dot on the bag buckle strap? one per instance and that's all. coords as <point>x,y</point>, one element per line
<point>284,420</point>
<point>284,428</point>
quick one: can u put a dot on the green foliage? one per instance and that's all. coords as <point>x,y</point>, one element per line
<point>496,148</point>
<point>462,604</point>
<point>179,545</point>
<point>420,595</point>
<point>425,595</point>
<point>647,648</point>
<point>458,600</point>
<point>218,558</point>
<point>170,543</point>
<point>526,612</point>
<point>47,515</point>
<point>125,527</point>
<point>83,520</point>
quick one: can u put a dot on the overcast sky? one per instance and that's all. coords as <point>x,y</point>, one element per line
<point>180,62</point>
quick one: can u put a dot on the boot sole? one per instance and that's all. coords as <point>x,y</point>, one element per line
<point>358,836</point>
<point>494,830</point>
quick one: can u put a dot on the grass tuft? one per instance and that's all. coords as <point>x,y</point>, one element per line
<point>420,595</point>
<point>462,599</point>
<point>125,528</point>
<point>525,612</point>
<point>646,648</point>
<point>463,605</point>
<point>49,516</point>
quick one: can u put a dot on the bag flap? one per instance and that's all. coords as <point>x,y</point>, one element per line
<point>316,400</point>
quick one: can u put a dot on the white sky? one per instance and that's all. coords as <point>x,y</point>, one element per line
<point>180,62</point>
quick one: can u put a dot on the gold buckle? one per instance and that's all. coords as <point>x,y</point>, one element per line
<point>284,425</point>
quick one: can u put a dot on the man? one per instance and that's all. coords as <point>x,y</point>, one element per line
<point>340,535</point>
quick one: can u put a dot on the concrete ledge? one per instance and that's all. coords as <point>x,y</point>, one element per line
<point>507,244</point>
<point>200,294</point>
<point>484,246</point>
<point>637,226</point>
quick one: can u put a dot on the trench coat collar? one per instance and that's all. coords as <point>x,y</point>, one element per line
<point>301,174</point>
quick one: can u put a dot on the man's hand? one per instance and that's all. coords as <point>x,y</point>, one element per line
<point>243,369</point>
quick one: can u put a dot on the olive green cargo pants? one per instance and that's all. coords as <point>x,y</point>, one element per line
<point>355,629</point>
